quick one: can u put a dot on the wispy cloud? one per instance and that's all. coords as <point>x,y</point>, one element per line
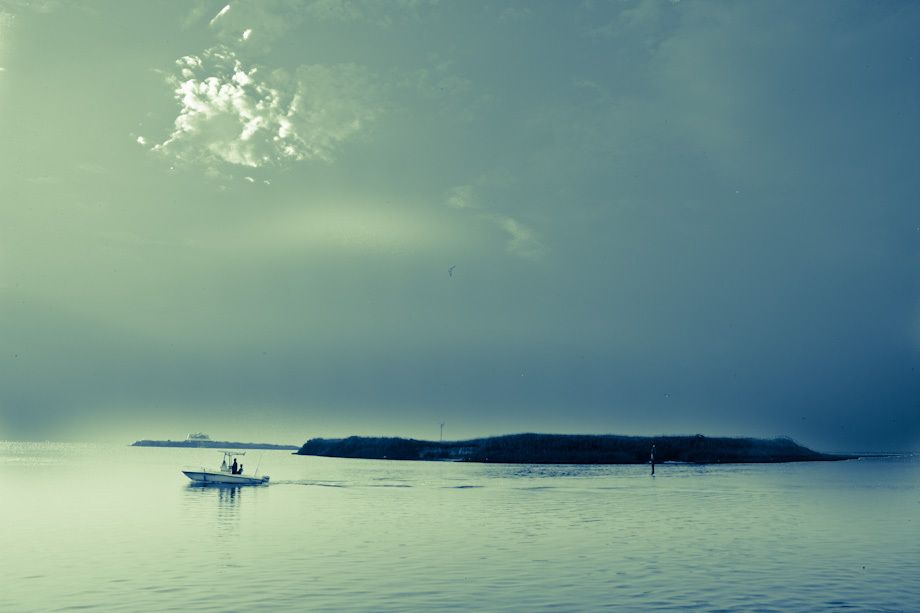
<point>37,6</point>
<point>254,26</point>
<point>383,13</point>
<point>219,14</point>
<point>522,240</point>
<point>260,23</point>
<point>6,23</point>
<point>43,180</point>
<point>512,14</point>
<point>454,95</point>
<point>91,168</point>
<point>644,21</point>
<point>461,197</point>
<point>334,227</point>
<point>336,10</point>
<point>195,14</point>
<point>232,113</point>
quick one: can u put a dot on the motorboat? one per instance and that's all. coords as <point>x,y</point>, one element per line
<point>227,474</point>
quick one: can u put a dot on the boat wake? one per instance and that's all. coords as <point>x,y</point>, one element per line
<point>312,483</point>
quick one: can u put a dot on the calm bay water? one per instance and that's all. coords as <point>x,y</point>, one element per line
<point>118,528</point>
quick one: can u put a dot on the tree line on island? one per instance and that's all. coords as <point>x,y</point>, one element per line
<point>571,449</point>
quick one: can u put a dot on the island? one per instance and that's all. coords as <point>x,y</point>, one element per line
<point>572,449</point>
<point>206,442</point>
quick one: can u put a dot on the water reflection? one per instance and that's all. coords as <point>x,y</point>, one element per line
<point>228,497</point>
<point>222,502</point>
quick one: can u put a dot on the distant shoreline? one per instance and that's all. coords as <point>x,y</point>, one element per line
<point>573,449</point>
<point>212,445</point>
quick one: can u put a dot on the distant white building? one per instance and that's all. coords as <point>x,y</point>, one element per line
<point>198,436</point>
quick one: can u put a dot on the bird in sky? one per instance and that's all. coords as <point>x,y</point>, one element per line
<point>450,271</point>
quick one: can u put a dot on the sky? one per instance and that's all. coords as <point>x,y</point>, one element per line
<point>277,220</point>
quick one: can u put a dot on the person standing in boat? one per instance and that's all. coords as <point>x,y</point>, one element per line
<point>233,467</point>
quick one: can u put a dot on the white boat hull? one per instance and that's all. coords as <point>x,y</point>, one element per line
<point>222,478</point>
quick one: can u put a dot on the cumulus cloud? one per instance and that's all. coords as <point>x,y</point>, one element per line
<point>232,113</point>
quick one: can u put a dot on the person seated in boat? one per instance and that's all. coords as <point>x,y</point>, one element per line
<point>241,469</point>
<point>233,467</point>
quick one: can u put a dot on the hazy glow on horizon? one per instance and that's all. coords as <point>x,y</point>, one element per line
<point>664,217</point>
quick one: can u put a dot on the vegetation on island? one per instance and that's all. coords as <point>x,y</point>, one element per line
<point>571,449</point>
